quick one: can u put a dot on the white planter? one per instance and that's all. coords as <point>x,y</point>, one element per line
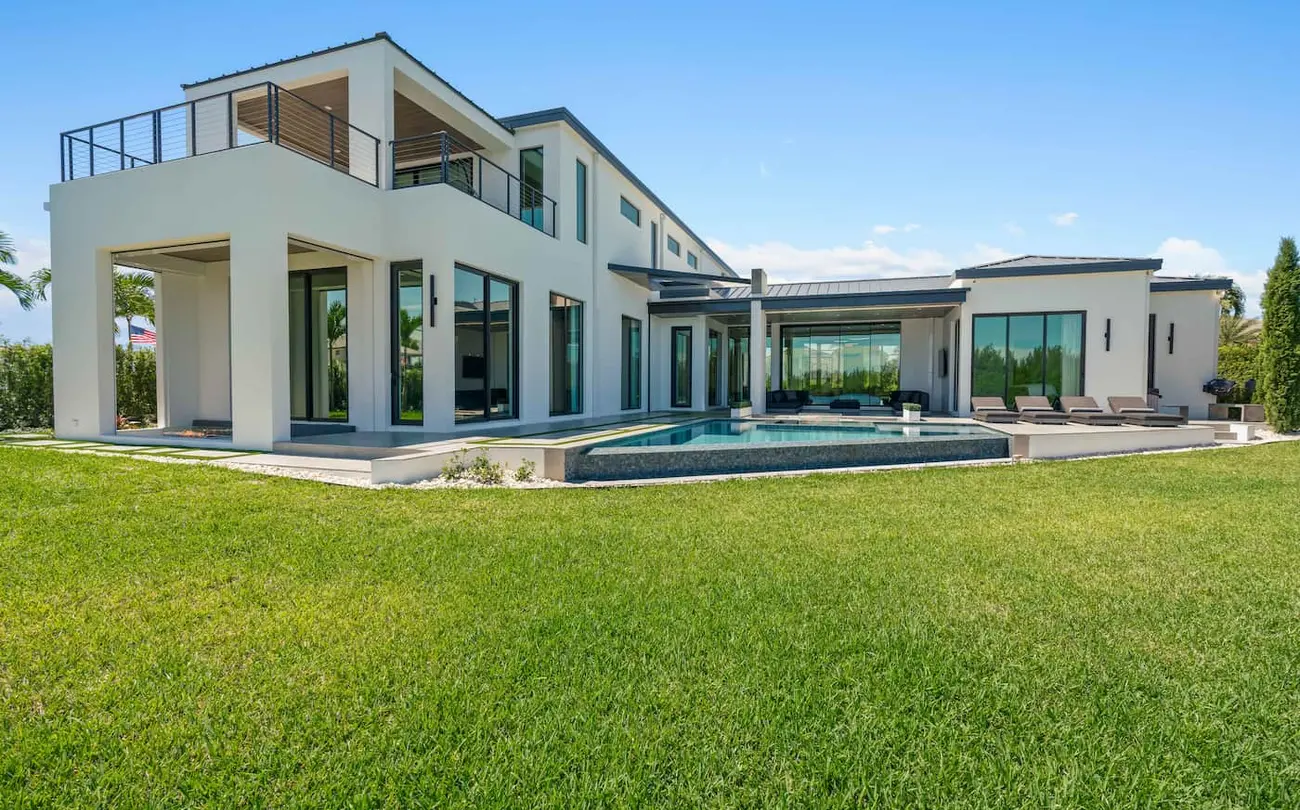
<point>911,416</point>
<point>742,413</point>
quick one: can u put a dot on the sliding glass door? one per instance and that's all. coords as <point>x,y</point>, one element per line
<point>486,346</point>
<point>318,345</point>
<point>842,361</point>
<point>1036,354</point>
<point>406,312</point>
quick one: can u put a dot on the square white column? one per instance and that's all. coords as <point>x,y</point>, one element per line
<point>259,337</point>
<point>757,357</point>
<point>85,372</point>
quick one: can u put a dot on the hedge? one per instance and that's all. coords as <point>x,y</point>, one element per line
<point>1239,362</point>
<point>27,385</point>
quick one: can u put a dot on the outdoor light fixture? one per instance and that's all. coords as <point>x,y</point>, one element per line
<point>433,301</point>
<point>1171,337</point>
<point>1107,334</point>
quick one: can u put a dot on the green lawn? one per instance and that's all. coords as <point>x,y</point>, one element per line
<point>1116,633</point>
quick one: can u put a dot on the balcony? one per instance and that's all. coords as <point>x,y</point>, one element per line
<point>260,113</point>
<point>440,157</point>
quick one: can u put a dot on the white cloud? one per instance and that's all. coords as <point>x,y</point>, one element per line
<point>1013,229</point>
<point>1065,220</point>
<point>884,229</point>
<point>786,263</point>
<point>911,226</point>
<point>1188,257</point>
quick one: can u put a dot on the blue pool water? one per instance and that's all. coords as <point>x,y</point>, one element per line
<point>740,432</point>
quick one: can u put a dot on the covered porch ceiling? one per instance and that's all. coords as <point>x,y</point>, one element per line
<point>193,258</point>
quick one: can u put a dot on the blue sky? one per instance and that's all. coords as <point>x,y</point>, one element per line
<point>817,140</point>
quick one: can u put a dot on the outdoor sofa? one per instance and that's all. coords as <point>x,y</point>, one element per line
<point>1086,411</point>
<point>783,401</point>
<point>896,399</point>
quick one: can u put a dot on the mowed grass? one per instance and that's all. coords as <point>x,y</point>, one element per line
<point>1111,633</point>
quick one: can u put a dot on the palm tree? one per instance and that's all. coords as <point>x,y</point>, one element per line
<point>1234,330</point>
<point>12,281</point>
<point>132,295</point>
<point>336,322</point>
<point>1234,301</point>
<point>407,327</point>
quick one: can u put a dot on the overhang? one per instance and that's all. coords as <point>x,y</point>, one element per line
<point>1159,285</point>
<point>655,279</point>
<point>1028,266</point>
<point>894,298</point>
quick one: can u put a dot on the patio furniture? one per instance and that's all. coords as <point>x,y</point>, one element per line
<point>1086,411</point>
<point>1136,412</point>
<point>897,398</point>
<point>992,409</point>
<point>782,401</point>
<point>845,405</point>
<point>1039,411</point>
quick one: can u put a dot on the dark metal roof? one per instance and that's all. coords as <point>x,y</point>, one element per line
<point>658,279</point>
<point>562,114</point>
<point>798,297</point>
<point>849,287</point>
<point>1161,284</point>
<point>1056,266</point>
<point>381,35</point>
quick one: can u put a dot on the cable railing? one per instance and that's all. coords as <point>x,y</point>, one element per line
<point>440,158</point>
<point>261,113</point>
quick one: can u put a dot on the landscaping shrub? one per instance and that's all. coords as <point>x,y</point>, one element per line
<point>1239,363</point>
<point>27,385</point>
<point>1279,342</point>
<point>137,384</point>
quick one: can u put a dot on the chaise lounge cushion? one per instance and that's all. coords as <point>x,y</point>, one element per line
<point>1086,411</point>
<point>1136,412</point>
<point>1039,411</point>
<point>992,409</point>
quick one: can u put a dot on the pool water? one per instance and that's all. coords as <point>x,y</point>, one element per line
<point>741,432</point>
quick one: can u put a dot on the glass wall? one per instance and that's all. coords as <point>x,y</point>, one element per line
<point>737,364</point>
<point>1027,355</point>
<point>318,344</point>
<point>841,361</point>
<point>715,366</point>
<point>631,363</point>
<point>681,379</point>
<point>407,318</point>
<point>486,346</point>
<point>530,187</point>
<point>566,355</point>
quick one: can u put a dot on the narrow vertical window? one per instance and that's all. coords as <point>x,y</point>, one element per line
<point>530,187</point>
<point>715,365</point>
<point>580,196</point>
<point>566,355</point>
<point>654,244</point>
<point>631,363</point>
<point>406,311</point>
<point>681,378</point>
<point>692,261</point>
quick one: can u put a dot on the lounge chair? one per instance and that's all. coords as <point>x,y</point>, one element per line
<point>992,409</point>
<point>1086,411</point>
<point>1039,411</point>
<point>1136,412</point>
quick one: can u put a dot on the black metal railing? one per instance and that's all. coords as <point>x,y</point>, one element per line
<point>440,158</point>
<point>260,113</point>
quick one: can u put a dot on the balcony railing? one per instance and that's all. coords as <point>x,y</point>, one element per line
<point>261,113</point>
<point>440,158</point>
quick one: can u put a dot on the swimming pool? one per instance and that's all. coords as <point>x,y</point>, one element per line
<point>715,446</point>
<point>739,431</point>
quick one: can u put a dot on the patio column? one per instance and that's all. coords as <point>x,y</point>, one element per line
<point>259,337</point>
<point>85,372</point>
<point>757,341</point>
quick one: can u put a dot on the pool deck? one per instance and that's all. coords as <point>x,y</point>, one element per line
<point>401,457</point>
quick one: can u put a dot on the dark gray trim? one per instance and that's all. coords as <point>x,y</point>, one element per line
<point>381,35</point>
<point>955,295</point>
<point>672,275</point>
<point>562,114</point>
<point>1191,284</point>
<point>1060,269</point>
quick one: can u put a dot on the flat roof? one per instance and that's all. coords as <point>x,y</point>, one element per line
<point>1022,266</point>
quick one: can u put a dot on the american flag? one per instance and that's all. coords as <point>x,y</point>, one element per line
<point>142,336</point>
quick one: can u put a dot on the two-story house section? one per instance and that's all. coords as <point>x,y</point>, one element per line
<point>343,241</point>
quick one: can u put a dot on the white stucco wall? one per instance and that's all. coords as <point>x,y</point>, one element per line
<point>1195,357</point>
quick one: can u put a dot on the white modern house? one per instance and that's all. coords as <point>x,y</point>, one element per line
<point>344,241</point>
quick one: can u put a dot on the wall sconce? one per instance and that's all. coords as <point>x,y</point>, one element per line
<point>1171,337</point>
<point>433,302</point>
<point>1107,334</point>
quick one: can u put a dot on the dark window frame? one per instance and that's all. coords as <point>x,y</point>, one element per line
<point>692,261</point>
<point>582,314</point>
<point>626,376</point>
<point>580,200</point>
<point>623,205</point>
<point>674,247</point>
<point>309,390</point>
<point>1083,345</point>
<point>488,278</point>
<point>395,339</point>
<point>690,366</point>
<point>713,364</point>
<point>654,244</point>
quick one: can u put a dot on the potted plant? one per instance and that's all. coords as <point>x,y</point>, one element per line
<point>742,409</point>
<point>911,412</point>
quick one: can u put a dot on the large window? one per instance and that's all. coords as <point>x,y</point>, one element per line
<point>714,364</point>
<point>581,198</point>
<point>630,211</point>
<point>486,346</point>
<point>737,364</point>
<point>531,209</point>
<point>407,314</point>
<point>841,361</point>
<point>631,363</point>
<point>681,379</point>
<point>318,344</point>
<point>674,247</point>
<point>566,355</point>
<point>1039,354</point>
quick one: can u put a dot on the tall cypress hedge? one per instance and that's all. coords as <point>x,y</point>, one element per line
<point>27,385</point>
<point>1279,340</point>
